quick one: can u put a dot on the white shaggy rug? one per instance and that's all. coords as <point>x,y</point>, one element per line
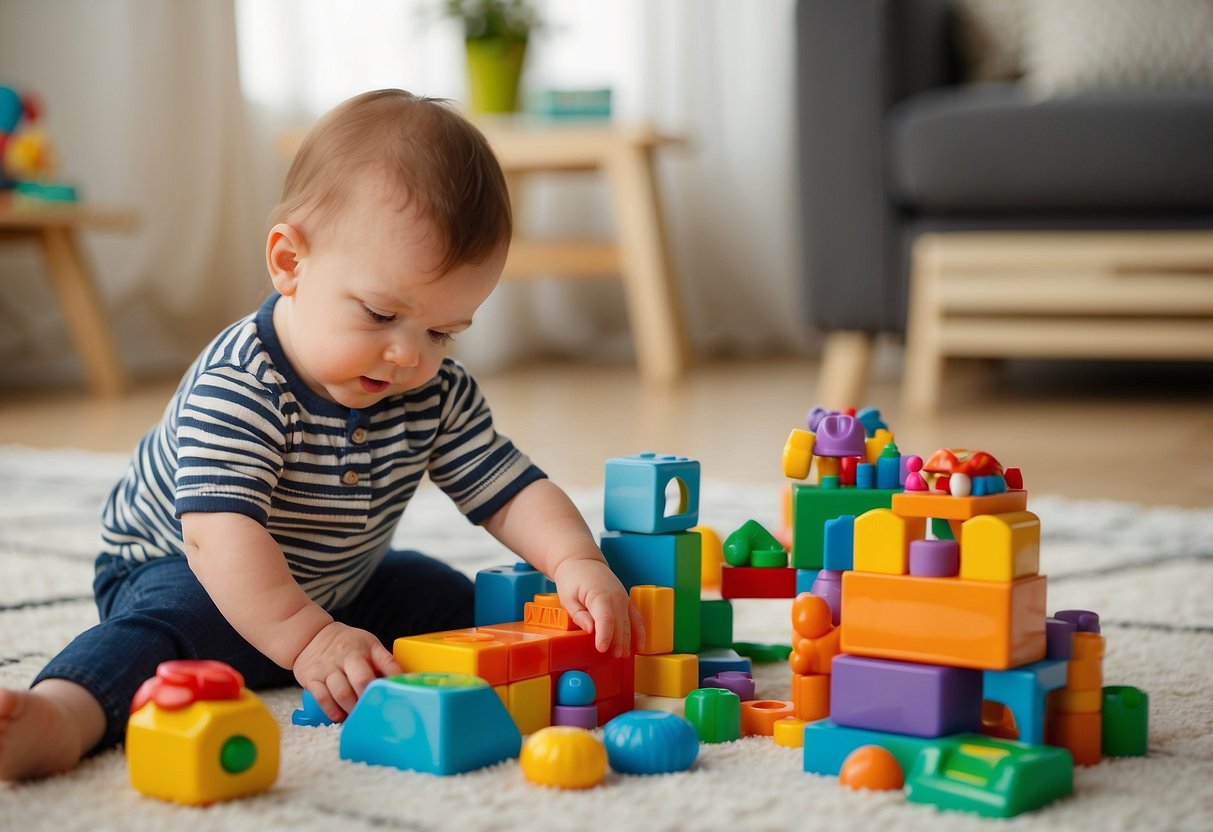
<point>1148,572</point>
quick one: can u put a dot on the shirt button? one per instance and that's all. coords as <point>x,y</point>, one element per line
<point>350,478</point>
<point>358,436</point>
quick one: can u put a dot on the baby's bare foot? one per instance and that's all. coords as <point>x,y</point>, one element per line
<point>38,736</point>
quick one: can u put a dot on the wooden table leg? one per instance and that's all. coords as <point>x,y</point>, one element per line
<point>81,305</point>
<point>652,296</point>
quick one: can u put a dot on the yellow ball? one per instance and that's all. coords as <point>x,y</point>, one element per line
<point>564,757</point>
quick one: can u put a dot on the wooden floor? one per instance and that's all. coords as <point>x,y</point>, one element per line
<point>1124,432</point>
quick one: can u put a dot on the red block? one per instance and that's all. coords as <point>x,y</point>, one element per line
<point>757,582</point>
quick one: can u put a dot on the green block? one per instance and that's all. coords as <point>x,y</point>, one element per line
<point>812,506</point>
<point>763,653</point>
<point>716,623</point>
<point>1126,719</point>
<point>715,713</point>
<point>750,538</point>
<point>671,560</point>
<point>942,529</point>
<point>992,777</point>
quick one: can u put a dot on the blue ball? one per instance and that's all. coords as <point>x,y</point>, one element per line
<point>650,742</point>
<point>575,688</point>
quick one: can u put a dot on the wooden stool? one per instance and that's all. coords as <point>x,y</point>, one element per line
<point>1079,294</point>
<point>54,227</point>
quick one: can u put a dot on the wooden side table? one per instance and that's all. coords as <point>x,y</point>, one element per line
<point>54,227</point>
<point>1060,294</point>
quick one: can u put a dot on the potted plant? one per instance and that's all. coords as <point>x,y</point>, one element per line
<point>495,33</point>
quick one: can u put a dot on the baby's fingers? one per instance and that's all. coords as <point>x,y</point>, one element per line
<point>385,663</point>
<point>638,632</point>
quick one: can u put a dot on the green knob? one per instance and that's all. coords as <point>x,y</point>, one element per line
<point>238,754</point>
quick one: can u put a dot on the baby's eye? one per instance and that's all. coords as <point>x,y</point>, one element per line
<point>441,338</point>
<point>372,315</point>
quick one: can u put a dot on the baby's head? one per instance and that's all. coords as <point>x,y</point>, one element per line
<point>392,230</point>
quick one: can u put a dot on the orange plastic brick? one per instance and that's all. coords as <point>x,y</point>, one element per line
<point>545,611</point>
<point>1080,734</point>
<point>811,696</point>
<point>758,716</point>
<point>455,651</point>
<point>947,507</point>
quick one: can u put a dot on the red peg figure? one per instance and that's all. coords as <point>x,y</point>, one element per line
<point>914,480</point>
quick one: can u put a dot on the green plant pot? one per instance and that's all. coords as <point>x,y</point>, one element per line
<point>494,70</point>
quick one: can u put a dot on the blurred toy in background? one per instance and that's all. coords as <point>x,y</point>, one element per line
<point>28,163</point>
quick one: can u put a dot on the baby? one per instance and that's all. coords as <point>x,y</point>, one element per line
<point>254,523</point>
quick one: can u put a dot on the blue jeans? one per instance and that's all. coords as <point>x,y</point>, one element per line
<point>158,611</point>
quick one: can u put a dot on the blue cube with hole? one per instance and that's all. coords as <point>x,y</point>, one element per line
<point>651,494</point>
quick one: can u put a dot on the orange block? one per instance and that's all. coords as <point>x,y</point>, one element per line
<point>455,651</point>
<point>952,621</point>
<point>1069,701</point>
<point>545,611</point>
<point>656,607</point>
<point>1087,646</point>
<point>758,716</point>
<point>1084,674</point>
<point>947,507</point>
<point>811,696</point>
<point>567,649</point>
<point>1080,734</point>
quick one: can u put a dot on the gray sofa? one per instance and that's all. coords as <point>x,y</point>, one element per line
<point>892,143</point>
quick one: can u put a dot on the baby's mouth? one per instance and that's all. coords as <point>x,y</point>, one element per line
<point>372,385</point>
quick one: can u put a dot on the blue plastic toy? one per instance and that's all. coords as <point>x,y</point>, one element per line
<point>502,592</point>
<point>635,493</point>
<point>575,688</point>
<point>309,713</point>
<point>650,742</point>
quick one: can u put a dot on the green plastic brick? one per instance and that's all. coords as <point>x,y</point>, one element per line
<point>716,623</point>
<point>1126,720</point>
<point>813,506</point>
<point>715,713</point>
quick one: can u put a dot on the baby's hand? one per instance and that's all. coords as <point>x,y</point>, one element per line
<point>338,664</point>
<point>598,604</point>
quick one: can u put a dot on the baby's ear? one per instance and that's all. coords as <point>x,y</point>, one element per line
<point>284,246</point>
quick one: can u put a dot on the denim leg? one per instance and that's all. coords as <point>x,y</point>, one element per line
<point>410,593</point>
<point>151,613</point>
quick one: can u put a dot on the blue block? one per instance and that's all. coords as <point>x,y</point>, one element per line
<point>671,560</point>
<point>888,472</point>
<point>1023,690</point>
<point>441,723</point>
<point>720,659</point>
<point>865,475</point>
<point>839,552</point>
<point>502,592</point>
<point>827,746</point>
<point>805,579</point>
<point>309,713</point>
<point>635,494</point>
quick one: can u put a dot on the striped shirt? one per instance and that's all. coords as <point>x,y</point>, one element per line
<point>243,434</point>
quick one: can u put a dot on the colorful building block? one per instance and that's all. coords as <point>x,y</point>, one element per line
<point>811,696</point>
<point>196,736</point>
<point>465,651</point>
<point>1126,722</point>
<point>921,700</point>
<point>798,454</point>
<point>716,623</point>
<point>1085,621</point>
<point>441,723</point>
<point>789,732</point>
<point>994,778</point>
<point>838,551</point>
<point>545,611</point>
<point>740,682</point>
<point>1000,547</point>
<point>656,607</point>
<point>812,506</point>
<point>751,538</point>
<point>977,624</point>
<point>1059,637</point>
<point>1070,701</point>
<point>671,560</point>
<point>815,640</point>
<point>827,746</point>
<point>530,703</point>
<point>934,558</point>
<point>503,591</point>
<point>882,541</point>
<point>1079,733</point>
<point>757,582</point>
<point>758,716</point>
<point>950,507</point>
<point>635,493</point>
<point>828,587</point>
<point>309,713</point>
<point>564,649</point>
<point>715,714</point>
<point>669,674</point>
<point>1024,690</point>
<point>717,660</point>
<point>711,556</point>
<point>577,716</point>
<point>805,579</point>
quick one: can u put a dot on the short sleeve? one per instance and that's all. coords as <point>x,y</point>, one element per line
<point>477,467</point>
<point>231,444</point>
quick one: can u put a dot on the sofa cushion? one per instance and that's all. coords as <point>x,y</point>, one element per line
<point>995,147</point>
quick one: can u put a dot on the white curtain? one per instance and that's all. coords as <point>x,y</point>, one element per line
<point>175,108</point>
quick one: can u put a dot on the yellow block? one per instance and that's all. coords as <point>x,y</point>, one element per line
<point>798,454</point>
<point>656,607</point>
<point>872,447</point>
<point>668,674</point>
<point>882,541</point>
<point>712,555</point>
<point>1000,547</point>
<point>530,703</point>
<point>789,732</point>
<point>178,755</point>
<point>455,651</point>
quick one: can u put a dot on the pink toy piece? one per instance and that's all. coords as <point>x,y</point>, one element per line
<point>828,587</point>
<point>914,480</point>
<point>1014,478</point>
<point>840,435</point>
<point>737,681</point>
<point>1085,620</point>
<point>934,558</point>
<point>1059,638</point>
<point>578,716</point>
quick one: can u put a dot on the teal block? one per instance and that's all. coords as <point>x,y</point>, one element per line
<point>827,746</point>
<point>635,493</point>
<point>503,591</point>
<point>716,623</point>
<point>839,543</point>
<point>992,777</point>
<point>1024,690</point>
<point>812,506</point>
<point>441,723</point>
<point>671,560</point>
<point>805,579</point>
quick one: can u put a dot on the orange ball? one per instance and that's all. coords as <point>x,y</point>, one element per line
<point>871,767</point>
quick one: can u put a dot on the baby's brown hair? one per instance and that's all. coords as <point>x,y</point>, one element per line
<point>431,155</point>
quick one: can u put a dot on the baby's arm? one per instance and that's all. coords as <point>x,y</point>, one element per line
<point>244,571</point>
<point>541,524</point>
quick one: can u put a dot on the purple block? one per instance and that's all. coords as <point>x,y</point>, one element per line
<point>828,587</point>
<point>738,681</point>
<point>1059,638</point>
<point>840,435</point>
<point>934,558</point>
<point>815,416</point>
<point>922,700</point>
<point>1085,620</point>
<point>578,716</point>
